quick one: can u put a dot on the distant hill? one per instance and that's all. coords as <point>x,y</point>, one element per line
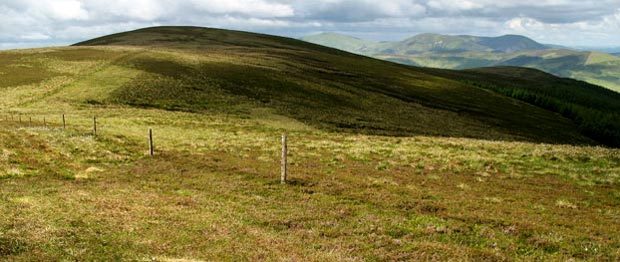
<point>608,50</point>
<point>444,43</point>
<point>466,52</point>
<point>428,43</point>
<point>342,42</point>
<point>511,43</point>
<point>433,43</point>
<point>552,46</point>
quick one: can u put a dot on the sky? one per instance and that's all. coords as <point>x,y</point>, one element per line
<point>594,23</point>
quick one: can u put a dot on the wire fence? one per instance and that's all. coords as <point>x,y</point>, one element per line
<point>62,122</point>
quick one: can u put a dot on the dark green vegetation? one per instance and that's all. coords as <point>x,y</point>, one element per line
<point>218,102</point>
<point>465,52</point>
<point>594,110</point>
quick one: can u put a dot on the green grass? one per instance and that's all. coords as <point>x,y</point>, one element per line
<point>212,190</point>
<point>597,58</point>
<point>22,69</point>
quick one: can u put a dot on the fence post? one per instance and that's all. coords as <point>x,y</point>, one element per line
<point>283,164</point>
<point>94,126</point>
<point>44,123</point>
<point>30,122</point>
<point>151,149</point>
<point>64,124</point>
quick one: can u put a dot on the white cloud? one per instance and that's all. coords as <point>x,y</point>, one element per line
<point>567,22</point>
<point>455,5</point>
<point>251,8</point>
<point>58,10</point>
<point>34,36</point>
<point>599,32</point>
<point>116,10</point>
<point>66,10</point>
<point>357,10</point>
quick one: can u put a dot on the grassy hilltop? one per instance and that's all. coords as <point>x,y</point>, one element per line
<point>387,162</point>
<point>321,87</point>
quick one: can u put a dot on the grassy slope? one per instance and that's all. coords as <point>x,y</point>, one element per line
<point>211,192</point>
<point>322,87</point>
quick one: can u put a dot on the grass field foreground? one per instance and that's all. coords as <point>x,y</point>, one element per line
<point>212,191</point>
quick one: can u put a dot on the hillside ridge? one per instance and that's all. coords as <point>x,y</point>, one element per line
<point>317,80</point>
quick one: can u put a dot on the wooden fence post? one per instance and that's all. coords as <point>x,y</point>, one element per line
<point>94,126</point>
<point>151,149</point>
<point>44,123</point>
<point>30,122</point>
<point>64,123</point>
<point>283,164</point>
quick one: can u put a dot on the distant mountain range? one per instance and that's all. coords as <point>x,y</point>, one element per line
<point>465,52</point>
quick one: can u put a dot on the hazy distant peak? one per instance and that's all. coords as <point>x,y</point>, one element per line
<point>429,42</point>
<point>329,34</point>
<point>511,43</point>
<point>341,41</point>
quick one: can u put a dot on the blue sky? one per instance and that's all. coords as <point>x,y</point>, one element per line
<point>32,23</point>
